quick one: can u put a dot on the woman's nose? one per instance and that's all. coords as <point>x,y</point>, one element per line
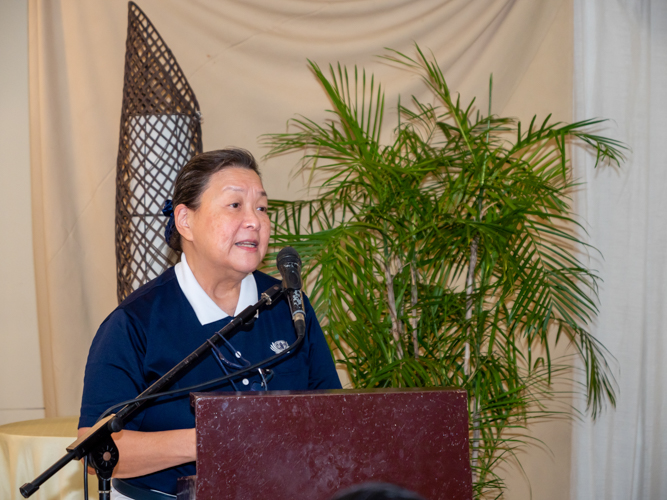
<point>252,219</point>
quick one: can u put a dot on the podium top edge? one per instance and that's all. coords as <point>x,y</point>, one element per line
<point>196,396</point>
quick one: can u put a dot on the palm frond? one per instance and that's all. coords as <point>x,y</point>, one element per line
<point>447,257</point>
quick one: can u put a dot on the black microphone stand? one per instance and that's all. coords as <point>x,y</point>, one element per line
<point>97,442</point>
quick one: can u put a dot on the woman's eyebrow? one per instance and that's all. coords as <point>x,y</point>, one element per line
<point>236,188</point>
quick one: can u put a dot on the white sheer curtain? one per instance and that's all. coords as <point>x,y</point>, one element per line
<point>621,74</point>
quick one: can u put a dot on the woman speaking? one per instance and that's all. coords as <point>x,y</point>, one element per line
<point>219,222</point>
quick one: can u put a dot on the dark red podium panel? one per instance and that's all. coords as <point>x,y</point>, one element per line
<point>286,445</point>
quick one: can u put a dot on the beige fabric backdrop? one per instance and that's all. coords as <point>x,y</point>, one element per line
<point>246,61</point>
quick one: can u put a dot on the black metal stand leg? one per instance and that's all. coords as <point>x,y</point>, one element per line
<point>104,458</point>
<point>105,488</point>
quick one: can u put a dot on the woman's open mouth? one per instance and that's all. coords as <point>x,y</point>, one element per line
<point>247,244</point>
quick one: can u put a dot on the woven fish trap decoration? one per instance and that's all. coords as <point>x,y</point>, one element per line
<point>160,130</point>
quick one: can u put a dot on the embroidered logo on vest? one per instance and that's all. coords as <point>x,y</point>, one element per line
<point>279,346</point>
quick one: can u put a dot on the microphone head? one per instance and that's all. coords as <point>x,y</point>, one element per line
<point>289,265</point>
<point>288,254</point>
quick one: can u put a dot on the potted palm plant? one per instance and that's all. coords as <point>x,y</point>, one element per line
<point>446,256</point>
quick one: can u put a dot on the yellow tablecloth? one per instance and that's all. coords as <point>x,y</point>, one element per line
<point>29,448</point>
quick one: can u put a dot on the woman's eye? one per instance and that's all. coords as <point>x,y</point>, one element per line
<point>262,209</point>
<point>235,205</point>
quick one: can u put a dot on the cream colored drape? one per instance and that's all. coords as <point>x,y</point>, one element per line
<point>247,63</point>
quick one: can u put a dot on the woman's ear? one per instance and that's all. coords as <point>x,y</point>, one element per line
<point>181,220</point>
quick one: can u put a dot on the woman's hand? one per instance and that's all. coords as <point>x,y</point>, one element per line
<point>143,453</point>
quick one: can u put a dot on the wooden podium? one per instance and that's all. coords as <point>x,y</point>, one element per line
<point>308,445</point>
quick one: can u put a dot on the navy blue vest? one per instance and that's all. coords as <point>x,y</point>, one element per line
<point>155,328</point>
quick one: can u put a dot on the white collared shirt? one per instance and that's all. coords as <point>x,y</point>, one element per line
<point>205,308</point>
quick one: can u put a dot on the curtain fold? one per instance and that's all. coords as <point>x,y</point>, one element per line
<point>621,74</point>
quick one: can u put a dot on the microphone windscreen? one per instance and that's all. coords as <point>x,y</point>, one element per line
<point>289,265</point>
<point>288,254</point>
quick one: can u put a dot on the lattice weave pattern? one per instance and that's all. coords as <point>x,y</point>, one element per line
<point>160,131</point>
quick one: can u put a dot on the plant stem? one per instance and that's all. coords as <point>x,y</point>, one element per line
<point>414,320</point>
<point>391,301</point>
<point>470,283</point>
<point>475,441</point>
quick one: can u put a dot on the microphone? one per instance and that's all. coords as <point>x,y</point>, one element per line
<point>289,265</point>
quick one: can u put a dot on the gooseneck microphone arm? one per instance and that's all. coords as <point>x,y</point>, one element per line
<point>97,442</point>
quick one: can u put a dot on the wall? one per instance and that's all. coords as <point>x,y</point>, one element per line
<point>20,373</point>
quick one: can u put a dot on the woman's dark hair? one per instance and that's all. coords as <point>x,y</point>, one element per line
<point>194,177</point>
<point>376,491</point>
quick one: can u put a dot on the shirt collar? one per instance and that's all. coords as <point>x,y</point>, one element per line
<point>205,308</point>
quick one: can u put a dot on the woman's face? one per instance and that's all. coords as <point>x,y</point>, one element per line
<point>230,229</point>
